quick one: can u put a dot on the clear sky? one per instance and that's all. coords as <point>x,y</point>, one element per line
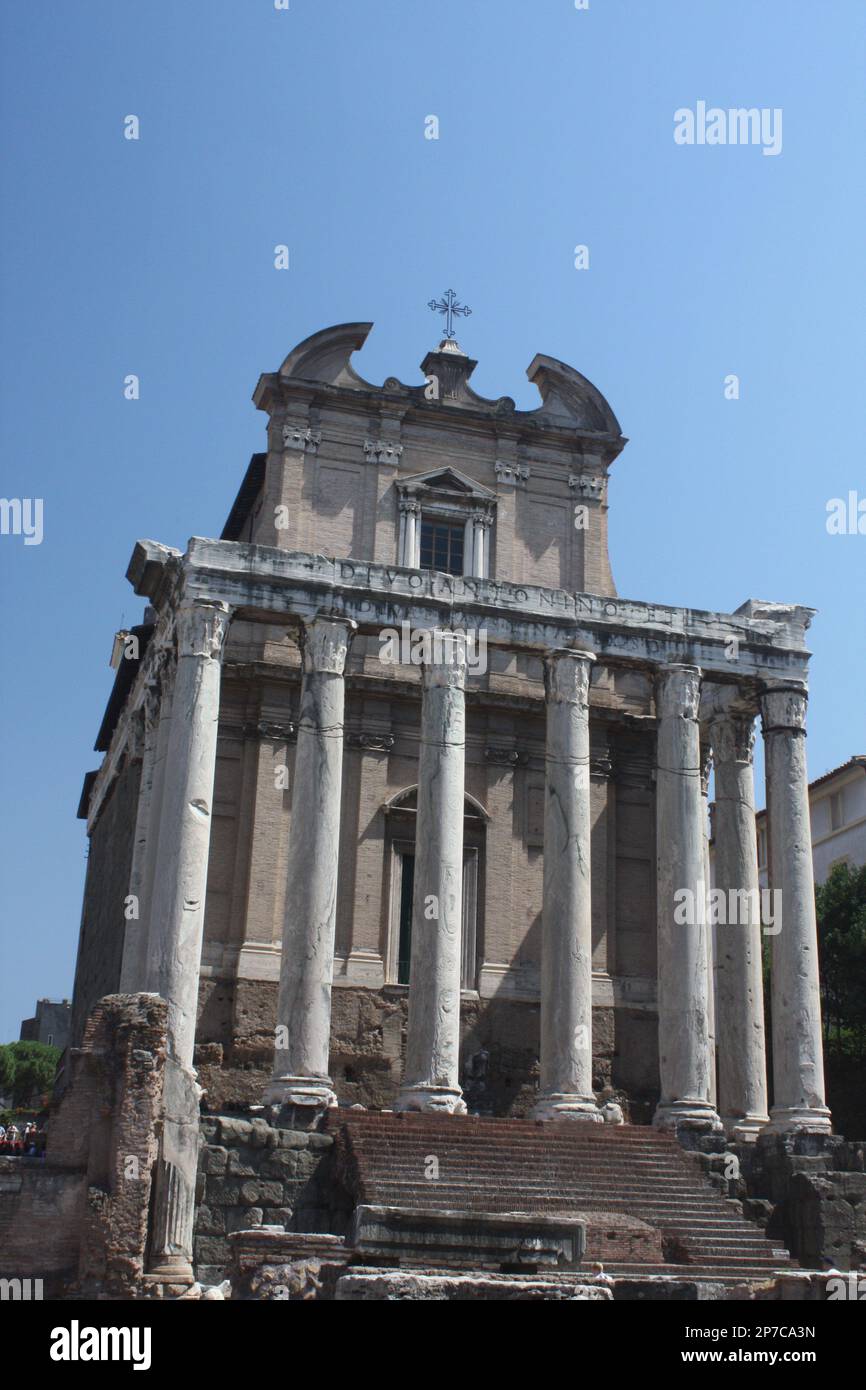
<point>305,127</point>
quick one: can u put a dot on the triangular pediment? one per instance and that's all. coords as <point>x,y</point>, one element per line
<point>445,480</point>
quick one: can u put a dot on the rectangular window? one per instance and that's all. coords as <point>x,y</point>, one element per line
<point>401,920</point>
<point>837,815</point>
<point>442,546</point>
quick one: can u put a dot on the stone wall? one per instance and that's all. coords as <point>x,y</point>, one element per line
<point>42,1215</point>
<point>82,1212</point>
<point>252,1174</point>
<point>368,1038</point>
<point>811,1190</point>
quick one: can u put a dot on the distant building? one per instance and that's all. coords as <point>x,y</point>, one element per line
<point>837,805</point>
<point>50,1024</point>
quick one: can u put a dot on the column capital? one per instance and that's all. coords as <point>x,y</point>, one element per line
<point>567,676</point>
<point>410,505</point>
<point>678,691</point>
<point>325,643</point>
<point>783,709</point>
<point>733,738</point>
<point>200,627</point>
<point>447,663</point>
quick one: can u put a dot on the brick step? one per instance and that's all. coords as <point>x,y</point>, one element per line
<point>507,1165</point>
<point>527,1192</point>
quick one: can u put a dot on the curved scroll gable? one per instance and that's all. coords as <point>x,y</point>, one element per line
<point>568,398</point>
<point>325,356</point>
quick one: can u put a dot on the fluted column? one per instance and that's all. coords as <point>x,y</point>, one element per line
<point>683,987</point>
<point>565,1084</point>
<point>431,1078</point>
<point>798,1056</point>
<point>300,1077</point>
<point>176,918</point>
<point>739,979</point>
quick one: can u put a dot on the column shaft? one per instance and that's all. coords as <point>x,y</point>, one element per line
<point>431,1077</point>
<point>565,1089</point>
<point>739,980</point>
<point>303,1040</point>
<point>176,919</point>
<point>683,987</point>
<point>798,1057</point>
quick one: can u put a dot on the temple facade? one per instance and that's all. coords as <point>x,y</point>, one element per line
<point>402,805</point>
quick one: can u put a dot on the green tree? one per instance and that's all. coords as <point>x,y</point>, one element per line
<point>841,908</point>
<point>33,1066</point>
<point>7,1069</point>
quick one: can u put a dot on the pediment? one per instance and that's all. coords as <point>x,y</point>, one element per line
<point>448,481</point>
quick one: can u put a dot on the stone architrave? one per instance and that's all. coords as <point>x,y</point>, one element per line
<point>739,980</point>
<point>683,986</point>
<point>300,1078</point>
<point>565,1087</point>
<point>798,1056</point>
<point>177,918</point>
<point>431,1077</point>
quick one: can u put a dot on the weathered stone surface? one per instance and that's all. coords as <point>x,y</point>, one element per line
<point>392,1286</point>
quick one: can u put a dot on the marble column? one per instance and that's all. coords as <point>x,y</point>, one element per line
<point>431,1077</point>
<point>706,768</point>
<point>565,1083</point>
<point>798,1058</point>
<point>177,918</point>
<point>410,533</point>
<point>683,986</point>
<point>300,1078</point>
<point>739,980</point>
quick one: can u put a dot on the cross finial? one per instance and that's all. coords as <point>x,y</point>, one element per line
<point>450,307</point>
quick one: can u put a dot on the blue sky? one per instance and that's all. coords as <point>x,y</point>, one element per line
<point>306,127</point>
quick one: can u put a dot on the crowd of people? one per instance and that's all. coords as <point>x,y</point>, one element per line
<point>28,1142</point>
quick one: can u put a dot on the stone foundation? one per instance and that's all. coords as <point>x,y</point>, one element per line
<point>368,1042</point>
<point>254,1175</point>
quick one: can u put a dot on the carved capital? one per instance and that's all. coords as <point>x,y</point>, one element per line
<point>301,437</point>
<point>447,666</point>
<point>201,627</point>
<point>382,450</point>
<point>567,676</point>
<point>410,506</point>
<point>733,739</point>
<point>325,644</point>
<point>511,474</point>
<point>678,692</point>
<point>784,710</point>
<point>587,485</point>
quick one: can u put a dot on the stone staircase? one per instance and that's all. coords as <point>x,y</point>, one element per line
<point>503,1165</point>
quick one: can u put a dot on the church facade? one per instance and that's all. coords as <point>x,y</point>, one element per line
<point>401,804</point>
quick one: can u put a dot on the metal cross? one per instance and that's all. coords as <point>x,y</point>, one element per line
<point>449,306</point>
